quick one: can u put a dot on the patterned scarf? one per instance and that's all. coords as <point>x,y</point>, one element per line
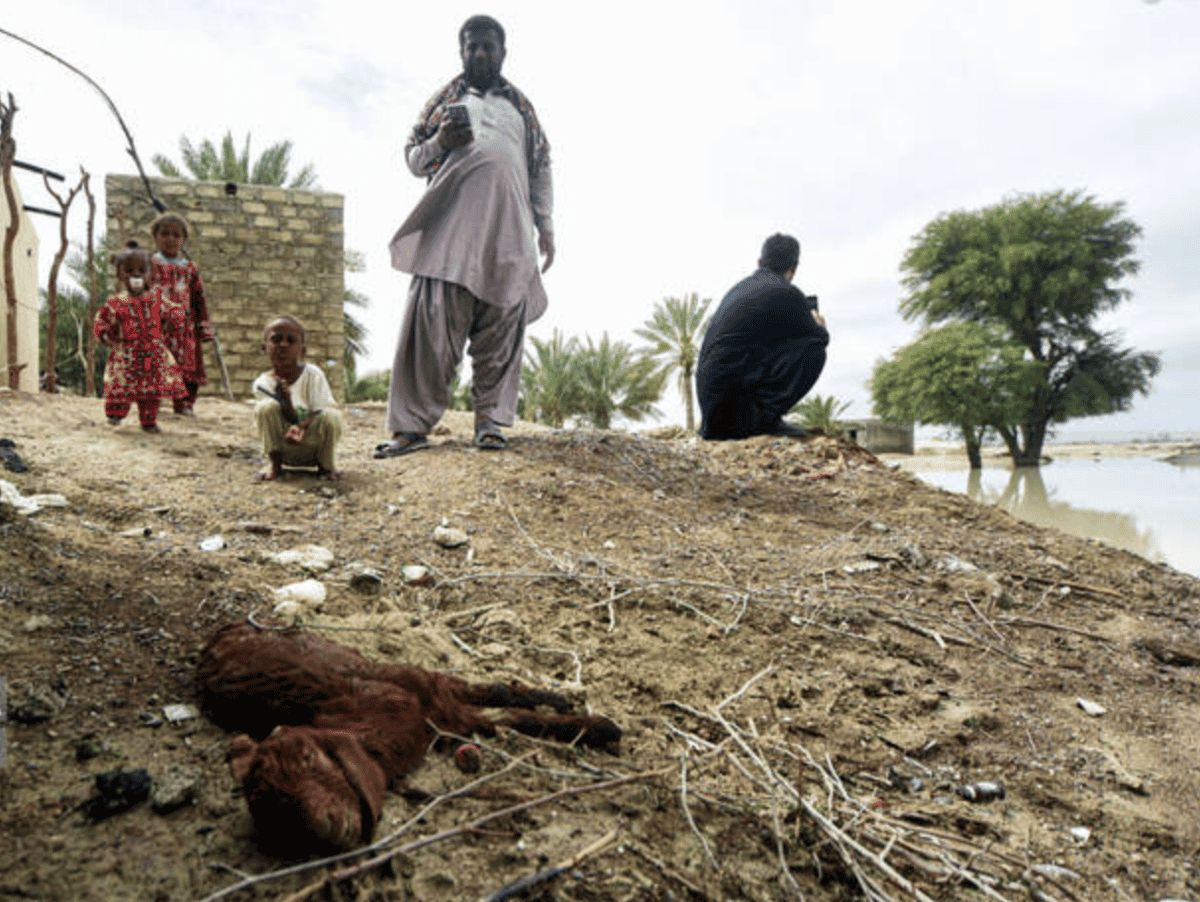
<point>537,148</point>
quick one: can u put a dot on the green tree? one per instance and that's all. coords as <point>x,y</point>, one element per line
<point>674,330</point>
<point>205,163</point>
<point>962,375</point>
<point>1041,267</point>
<point>613,379</point>
<point>550,380</point>
<point>353,331</point>
<point>72,327</point>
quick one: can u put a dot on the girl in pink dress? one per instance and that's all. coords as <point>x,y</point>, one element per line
<point>179,278</point>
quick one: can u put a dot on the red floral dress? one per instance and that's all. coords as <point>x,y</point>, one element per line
<point>179,279</point>
<point>140,365</point>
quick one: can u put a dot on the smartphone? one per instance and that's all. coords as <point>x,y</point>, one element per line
<point>459,114</point>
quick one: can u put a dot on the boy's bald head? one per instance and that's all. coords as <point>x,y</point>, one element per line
<point>286,320</point>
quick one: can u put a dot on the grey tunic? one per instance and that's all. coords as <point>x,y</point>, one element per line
<point>470,246</point>
<point>474,226</point>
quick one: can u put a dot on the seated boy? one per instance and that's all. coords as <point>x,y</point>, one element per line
<point>296,414</point>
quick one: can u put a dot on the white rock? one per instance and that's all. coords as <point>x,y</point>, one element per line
<point>1090,708</point>
<point>309,593</point>
<point>313,558</point>
<point>415,574</point>
<point>1081,834</point>
<point>212,543</point>
<point>450,536</point>
<point>37,622</point>
<point>610,544</point>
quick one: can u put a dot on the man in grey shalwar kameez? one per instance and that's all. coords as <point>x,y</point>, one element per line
<point>469,244</point>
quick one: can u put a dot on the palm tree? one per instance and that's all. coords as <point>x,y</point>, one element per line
<point>205,164</point>
<point>550,380</point>
<point>674,330</point>
<point>615,379</point>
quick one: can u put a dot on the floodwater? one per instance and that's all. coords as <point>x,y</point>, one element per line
<point>1150,507</point>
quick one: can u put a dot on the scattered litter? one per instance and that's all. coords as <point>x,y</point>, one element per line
<point>12,460</point>
<point>948,563</point>
<point>118,792</point>
<point>137,532</point>
<point>1090,708</point>
<point>1081,834</point>
<point>27,504</point>
<point>179,713</point>
<point>312,558</point>
<point>450,536</point>
<point>982,792</point>
<point>903,782</point>
<point>1056,871</point>
<point>212,543</point>
<point>860,567</point>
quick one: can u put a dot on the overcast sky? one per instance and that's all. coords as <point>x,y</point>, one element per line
<point>682,135</point>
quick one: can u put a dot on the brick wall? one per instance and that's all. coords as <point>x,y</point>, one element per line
<point>261,252</point>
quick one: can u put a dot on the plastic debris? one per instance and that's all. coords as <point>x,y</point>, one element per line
<point>212,543</point>
<point>982,792</point>
<point>179,713</point>
<point>27,504</point>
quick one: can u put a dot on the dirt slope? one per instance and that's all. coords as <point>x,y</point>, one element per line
<point>809,651</point>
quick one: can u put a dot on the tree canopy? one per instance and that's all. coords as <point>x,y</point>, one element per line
<point>963,375</point>
<point>205,163</point>
<point>1040,268</point>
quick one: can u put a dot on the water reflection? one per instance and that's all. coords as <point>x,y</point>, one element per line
<point>1025,496</point>
<point>1142,504</point>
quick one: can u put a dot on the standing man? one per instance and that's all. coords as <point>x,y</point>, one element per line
<point>763,351</point>
<point>470,247</point>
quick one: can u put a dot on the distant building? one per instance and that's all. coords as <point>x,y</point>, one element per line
<point>879,437</point>
<point>25,271</point>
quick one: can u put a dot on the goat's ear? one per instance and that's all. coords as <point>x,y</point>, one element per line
<point>241,756</point>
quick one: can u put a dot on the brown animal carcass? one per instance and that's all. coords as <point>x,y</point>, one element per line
<point>329,729</point>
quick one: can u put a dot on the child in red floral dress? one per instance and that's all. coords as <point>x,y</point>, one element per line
<point>140,367</point>
<point>179,278</point>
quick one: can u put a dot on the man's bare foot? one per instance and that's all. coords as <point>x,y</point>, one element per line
<point>268,475</point>
<point>331,475</point>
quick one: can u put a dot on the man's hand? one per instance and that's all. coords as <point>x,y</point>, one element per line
<point>820,319</point>
<point>453,134</point>
<point>546,246</point>
<point>295,434</point>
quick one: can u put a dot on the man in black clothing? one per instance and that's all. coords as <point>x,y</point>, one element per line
<point>763,351</point>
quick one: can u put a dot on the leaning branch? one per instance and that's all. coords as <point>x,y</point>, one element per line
<point>131,149</point>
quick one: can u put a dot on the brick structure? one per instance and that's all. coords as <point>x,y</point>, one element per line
<point>262,251</point>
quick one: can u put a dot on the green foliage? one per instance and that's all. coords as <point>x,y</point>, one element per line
<point>550,380</point>
<point>963,375</point>
<point>1040,268</point>
<point>613,379</point>
<point>460,394</point>
<point>820,414</point>
<point>371,387</point>
<point>675,330</point>
<point>74,325</point>
<point>205,163</point>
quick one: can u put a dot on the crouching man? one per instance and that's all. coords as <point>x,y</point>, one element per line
<point>763,351</point>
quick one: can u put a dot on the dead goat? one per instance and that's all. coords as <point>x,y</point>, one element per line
<point>329,730</point>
